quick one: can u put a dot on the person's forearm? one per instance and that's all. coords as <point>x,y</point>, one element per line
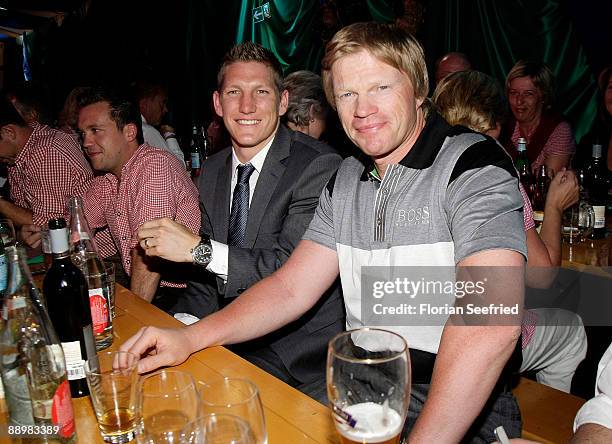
<point>550,233</point>
<point>143,282</point>
<point>592,433</point>
<point>19,215</point>
<point>269,304</point>
<point>252,308</point>
<point>468,365</point>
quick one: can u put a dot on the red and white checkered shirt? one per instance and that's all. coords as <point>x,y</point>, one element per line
<point>527,210</point>
<point>528,325</point>
<point>560,142</point>
<point>49,170</point>
<point>153,184</point>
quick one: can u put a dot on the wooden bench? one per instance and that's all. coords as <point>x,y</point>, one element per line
<point>548,414</point>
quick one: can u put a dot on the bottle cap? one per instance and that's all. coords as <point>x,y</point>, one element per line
<point>57,223</point>
<point>596,151</point>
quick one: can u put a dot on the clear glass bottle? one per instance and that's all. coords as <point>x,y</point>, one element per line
<point>85,255</point>
<point>33,365</point>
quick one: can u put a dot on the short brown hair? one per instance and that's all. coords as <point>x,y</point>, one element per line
<point>541,76</point>
<point>472,99</point>
<point>123,111</point>
<point>306,98</point>
<point>252,52</point>
<point>388,43</point>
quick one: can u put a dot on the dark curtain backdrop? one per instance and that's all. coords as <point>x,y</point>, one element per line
<point>493,33</point>
<point>184,42</point>
<point>497,33</point>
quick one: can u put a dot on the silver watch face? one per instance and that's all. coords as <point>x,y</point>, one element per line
<point>202,254</point>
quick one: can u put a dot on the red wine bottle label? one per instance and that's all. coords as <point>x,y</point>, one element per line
<point>62,414</point>
<point>99,310</point>
<point>75,365</point>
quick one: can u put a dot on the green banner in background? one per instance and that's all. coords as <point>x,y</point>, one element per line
<point>287,30</point>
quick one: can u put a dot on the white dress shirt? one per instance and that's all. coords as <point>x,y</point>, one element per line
<point>155,139</point>
<point>598,410</point>
<point>220,255</point>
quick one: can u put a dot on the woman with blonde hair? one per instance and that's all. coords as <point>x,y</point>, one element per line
<point>550,140</point>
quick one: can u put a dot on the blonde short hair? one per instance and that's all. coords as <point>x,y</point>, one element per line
<point>472,99</point>
<point>388,43</point>
<point>541,76</point>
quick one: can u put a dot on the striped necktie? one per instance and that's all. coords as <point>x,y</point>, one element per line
<point>240,206</point>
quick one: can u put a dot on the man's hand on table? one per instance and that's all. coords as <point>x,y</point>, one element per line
<point>167,239</point>
<point>30,235</point>
<point>159,347</point>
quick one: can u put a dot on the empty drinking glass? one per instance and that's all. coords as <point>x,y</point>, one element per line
<point>218,429</point>
<point>168,401</point>
<point>239,397</point>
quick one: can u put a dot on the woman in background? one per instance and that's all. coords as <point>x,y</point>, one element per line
<point>550,140</point>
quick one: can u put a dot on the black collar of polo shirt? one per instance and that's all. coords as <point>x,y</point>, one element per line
<point>423,152</point>
<point>428,145</point>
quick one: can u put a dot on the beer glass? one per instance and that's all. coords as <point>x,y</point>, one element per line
<point>112,378</point>
<point>217,429</point>
<point>238,397</point>
<point>368,385</point>
<point>168,401</point>
<point>577,223</point>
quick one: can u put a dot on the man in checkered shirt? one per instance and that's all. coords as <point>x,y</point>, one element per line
<point>141,183</point>
<point>46,168</point>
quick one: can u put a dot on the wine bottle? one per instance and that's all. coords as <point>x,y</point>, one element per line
<point>33,366</point>
<point>541,189</point>
<point>597,185</point>
<point>67,297</point>
<point>205,143</point>
<point>84,254</point>
<point>523,166</point>
<point>196,152</point>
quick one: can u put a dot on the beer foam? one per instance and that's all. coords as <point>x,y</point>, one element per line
<point>370,426</point>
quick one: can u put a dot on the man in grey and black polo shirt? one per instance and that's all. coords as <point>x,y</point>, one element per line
<point>426,194</point>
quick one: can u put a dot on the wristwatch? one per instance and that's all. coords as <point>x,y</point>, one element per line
<point>202,253</point>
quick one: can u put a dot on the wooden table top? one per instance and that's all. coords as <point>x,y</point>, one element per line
<point>290,415</point>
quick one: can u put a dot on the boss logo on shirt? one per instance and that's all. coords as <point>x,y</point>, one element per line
<point>412,216</point>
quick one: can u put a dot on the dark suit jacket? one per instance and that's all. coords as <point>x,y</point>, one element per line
<point>294,173</point>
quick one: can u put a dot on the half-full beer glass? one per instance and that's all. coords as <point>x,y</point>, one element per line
<point>368,385</point>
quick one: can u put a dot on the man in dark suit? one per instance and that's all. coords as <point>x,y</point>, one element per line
<point>256,198</point>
